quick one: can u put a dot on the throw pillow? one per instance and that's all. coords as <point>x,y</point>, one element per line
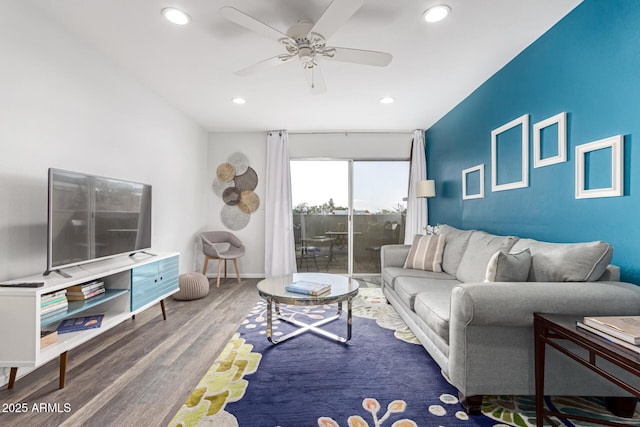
<point>566,262</point>
<point>481,246</point>
<point>504,267</point>
<point>426,253</point>
<point>455,245</point>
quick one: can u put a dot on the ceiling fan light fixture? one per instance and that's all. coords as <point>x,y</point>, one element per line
<point>387,100</point>
<point>436,13</point>
<point>239,101</point>
<point>176,16</point>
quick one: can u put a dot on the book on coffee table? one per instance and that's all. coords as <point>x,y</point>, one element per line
<point>609,337</point>
<point>308,288</point>
<point>626,328</point>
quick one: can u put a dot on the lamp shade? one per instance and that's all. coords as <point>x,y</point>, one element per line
<point>426,188</point>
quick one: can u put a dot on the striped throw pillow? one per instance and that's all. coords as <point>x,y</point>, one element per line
<point>426,252</point>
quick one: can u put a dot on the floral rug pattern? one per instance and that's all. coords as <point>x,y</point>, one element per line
<point>229,376</point>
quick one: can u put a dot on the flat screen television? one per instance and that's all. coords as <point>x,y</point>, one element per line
<point>93,217</point>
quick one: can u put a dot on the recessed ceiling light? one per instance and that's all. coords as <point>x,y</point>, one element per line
<point>387,100</point>
<point>239,101</point>
<point>436,13</point>
<point>176,15</point>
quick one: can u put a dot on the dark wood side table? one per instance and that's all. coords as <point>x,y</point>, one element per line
<point>557,330</point>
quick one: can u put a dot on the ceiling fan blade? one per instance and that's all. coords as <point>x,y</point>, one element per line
<point>360,56</point>
<point>338,12</point>
<point>241,18</point>
<point>315,79</point>
<point>264,65</point>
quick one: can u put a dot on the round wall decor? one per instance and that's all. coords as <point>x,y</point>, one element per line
<point>233,218</point>
<point>219,186</point>
<point>240,162</point>
<point>249,201</point>
<point>235,183</point>
<point>247,181</point>
<point>231,196</point>
<point>225,172</point>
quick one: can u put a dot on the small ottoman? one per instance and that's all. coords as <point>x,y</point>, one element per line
<point>192,286</point>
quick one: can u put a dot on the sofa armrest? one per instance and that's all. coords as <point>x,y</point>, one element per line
<point>513,304</point>
<point>393,255</point>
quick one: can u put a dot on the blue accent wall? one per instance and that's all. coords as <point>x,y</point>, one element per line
<point>587,65</point>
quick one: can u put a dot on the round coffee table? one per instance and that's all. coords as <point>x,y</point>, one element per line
<point>273,290</point>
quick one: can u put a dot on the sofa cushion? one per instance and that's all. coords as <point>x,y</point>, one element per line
<point>391,274</point>
<point>433,309</point>
<point>455,244</point>
<point>408,287</point>
<point>509,267</point>
<point>566,262</point>
<point>426,252</point>
<point>481,247</point>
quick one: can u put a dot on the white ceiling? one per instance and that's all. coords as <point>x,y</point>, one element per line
<point>434,66</point>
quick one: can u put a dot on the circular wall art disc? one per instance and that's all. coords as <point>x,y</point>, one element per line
<point>219,186</point>
<point>247,181</point>
<point>231,196</point>
<point>249,201</point>
<point>233,218</point>
<point>225,172</point>
<point>240,162</point>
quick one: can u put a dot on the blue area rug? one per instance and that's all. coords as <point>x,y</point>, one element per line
<point>381,378</point>
<point>376,379</point>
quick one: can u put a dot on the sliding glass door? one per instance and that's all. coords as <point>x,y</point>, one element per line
<point>379,210</point>
<point>344,211</point>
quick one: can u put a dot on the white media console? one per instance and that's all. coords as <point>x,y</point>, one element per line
<point>132,284</point>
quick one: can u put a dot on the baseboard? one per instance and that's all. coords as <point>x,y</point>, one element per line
<point>233,276</point>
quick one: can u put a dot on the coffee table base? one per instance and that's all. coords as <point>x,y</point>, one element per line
<point>304,327</point>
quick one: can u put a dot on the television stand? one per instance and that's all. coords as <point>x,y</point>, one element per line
<point>131,286</point>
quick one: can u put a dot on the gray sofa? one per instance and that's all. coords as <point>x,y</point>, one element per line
<point>481,333</point>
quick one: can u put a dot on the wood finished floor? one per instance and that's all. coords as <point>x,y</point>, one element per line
<point>140,372</point>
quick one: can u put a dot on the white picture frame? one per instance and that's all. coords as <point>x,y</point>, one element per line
<point>616,143</point>
<point>561,120</point>
<point>480,193</point>
<point>522,121</point>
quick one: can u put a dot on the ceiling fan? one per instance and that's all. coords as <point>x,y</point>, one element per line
<point>307,42</point>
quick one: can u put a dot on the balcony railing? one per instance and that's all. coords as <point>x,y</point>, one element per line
<point>322,241</point>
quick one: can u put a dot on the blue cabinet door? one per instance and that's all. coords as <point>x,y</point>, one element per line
<point>153,282</point>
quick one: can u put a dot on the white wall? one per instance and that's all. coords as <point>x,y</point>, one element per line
<point>354,146</point>
<point>254,146</point>
<point>64,105</point>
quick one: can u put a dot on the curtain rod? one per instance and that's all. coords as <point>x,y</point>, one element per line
<point>351,133</point>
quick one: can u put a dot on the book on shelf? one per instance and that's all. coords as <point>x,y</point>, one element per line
<point>80,323</point>
<point>59,306</point>
<point>308,288</point>
<point>81,296</point>
<point>608,337</point>
<point>52,296</point>
<point>626,328</point>
<point>86,287</point>
<point>53,301</point>
<point>47,338</point>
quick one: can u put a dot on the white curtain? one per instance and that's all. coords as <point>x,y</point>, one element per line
<point>417,215</point>
<point>279,249</point>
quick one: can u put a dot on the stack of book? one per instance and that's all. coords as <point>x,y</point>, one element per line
<point>53,303</point>
<point>85,291</point>
<point>308,288</point>
<point>622,330</point>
